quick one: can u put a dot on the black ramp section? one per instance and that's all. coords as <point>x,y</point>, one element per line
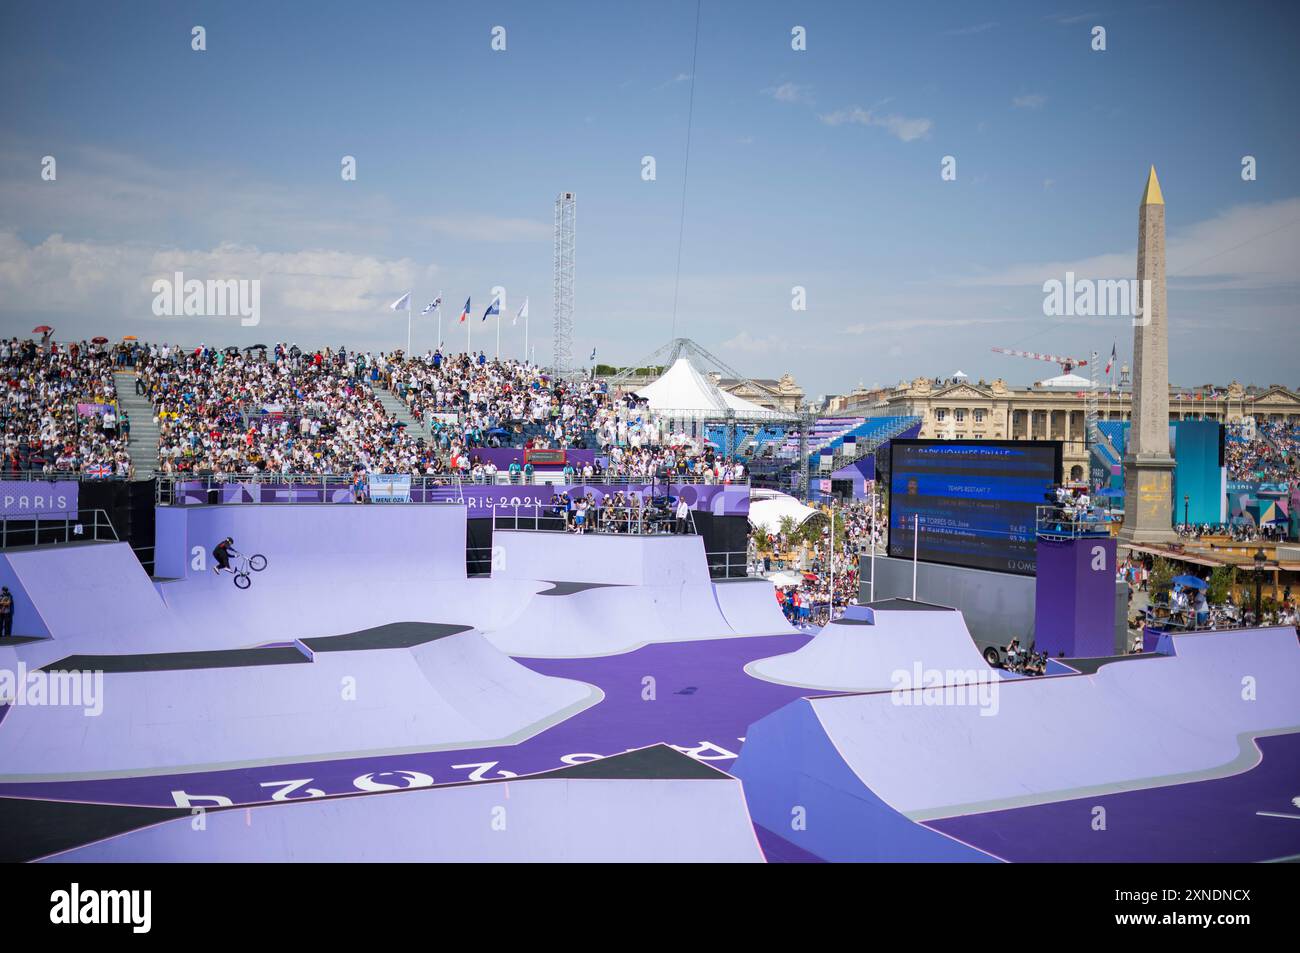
<point>569,588</point>
<point>35,828</point>
<point>395,635</point>
<point>1090,666</point>
<point>907,605</point>
<point>657,762</point>
<point>178,661</point>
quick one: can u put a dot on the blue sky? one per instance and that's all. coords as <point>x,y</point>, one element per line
<point>816,168</point>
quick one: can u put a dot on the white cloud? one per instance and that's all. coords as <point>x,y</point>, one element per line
<point>902,127</point>
<point>318,290</point>
<point>1247,246</point>
<point>1029,101</point>
<point>969,30</point>
<point>790,93</point>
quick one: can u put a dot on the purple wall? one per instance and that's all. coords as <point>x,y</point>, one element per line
<point>28,499</point>
<point>1074,603</point>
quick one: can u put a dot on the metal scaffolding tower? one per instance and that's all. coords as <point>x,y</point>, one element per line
<point>566,212</point>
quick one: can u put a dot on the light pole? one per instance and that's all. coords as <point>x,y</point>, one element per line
<point>1186,500</point>
<point>1260,560</point>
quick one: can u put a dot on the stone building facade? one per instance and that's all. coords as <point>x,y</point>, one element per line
<point>957,410</point>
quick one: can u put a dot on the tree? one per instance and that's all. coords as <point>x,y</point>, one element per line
<point>1222,583</point>
<point>1162,578</point>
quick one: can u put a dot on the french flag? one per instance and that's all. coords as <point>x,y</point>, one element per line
<point>1111,362</point>
<point>465,314</point>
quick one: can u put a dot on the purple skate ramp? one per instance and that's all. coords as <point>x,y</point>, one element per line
<point>929,754</point>
<point>749,606</point>
<point>619,593</point>
<point>93,589</point>
<point>611,559</point>
<point>411,687</point>
<point>653,805</point>
<point>408,560</point>
<point>867,651</point>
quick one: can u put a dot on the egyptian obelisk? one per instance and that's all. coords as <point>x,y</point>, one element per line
<point>1148,467</point>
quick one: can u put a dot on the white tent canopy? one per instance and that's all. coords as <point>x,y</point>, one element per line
<point>766,514</point>
<point>1066,382</point>
<point>683,391</point>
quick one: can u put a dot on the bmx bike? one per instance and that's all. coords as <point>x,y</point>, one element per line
<point>245,564</point>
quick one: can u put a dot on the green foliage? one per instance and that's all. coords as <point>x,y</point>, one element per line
<point>1162,577</point>
<point>1223,580</point>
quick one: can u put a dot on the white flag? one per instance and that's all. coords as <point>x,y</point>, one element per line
<point>521,313</point>
<point>435,303</point>
<point>403,302</point>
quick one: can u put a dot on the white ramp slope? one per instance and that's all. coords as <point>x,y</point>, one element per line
<point>617,593</point>
<point>854,655</point>
<point>456,691</point>
<point>749,606</point>
<point>611,620</point>
<point>550,819</point>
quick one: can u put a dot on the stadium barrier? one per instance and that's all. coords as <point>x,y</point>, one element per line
<point>89,524</point>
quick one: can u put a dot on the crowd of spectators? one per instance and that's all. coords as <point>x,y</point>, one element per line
<point>45,430</point>
<point>1272,455</point>
<point>275,411</point>
<point>283,410</point>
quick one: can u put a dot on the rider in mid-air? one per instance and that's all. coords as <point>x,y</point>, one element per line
<point>222,553</point>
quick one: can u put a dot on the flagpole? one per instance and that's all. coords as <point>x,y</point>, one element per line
<point>498,333</point>
<point>525,339</point>
<point>469,331</point>
<point>408,328</point>
<point>439,310</point>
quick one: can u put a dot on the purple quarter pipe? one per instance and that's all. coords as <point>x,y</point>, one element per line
<point>649,806</point>
<point>875,761</point>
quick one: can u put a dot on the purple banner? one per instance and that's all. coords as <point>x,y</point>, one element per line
<point>721,500</point>
<point>24,499</point>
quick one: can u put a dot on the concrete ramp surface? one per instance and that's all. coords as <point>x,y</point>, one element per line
<point>876,763</point>
<point>863,651</point>
<point>411,687</point>
<point>620,593</point>
<point>74,590</point>
<point>577,620</point>
<point>750,608</point>
<point>654,805</point>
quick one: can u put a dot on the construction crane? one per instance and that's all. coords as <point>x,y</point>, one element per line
<point>1067,363</point>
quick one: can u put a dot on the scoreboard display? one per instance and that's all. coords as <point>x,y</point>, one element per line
<point>976,500</point>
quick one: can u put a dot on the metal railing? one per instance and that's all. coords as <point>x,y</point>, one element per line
<point>729,564</point>
<point>1070,522</point>
<point>599,519</point>
<point>88,524</point>
<point>301,487</point>
<point>439,488</point>
<point>49,476</point>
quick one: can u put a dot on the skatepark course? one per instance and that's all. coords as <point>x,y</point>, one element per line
<point>619,593</point>
<point>868,767</point>
<point>331,569</point>
<point>398,688</point>
<point>862,651</point>
<point>651,805</point>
